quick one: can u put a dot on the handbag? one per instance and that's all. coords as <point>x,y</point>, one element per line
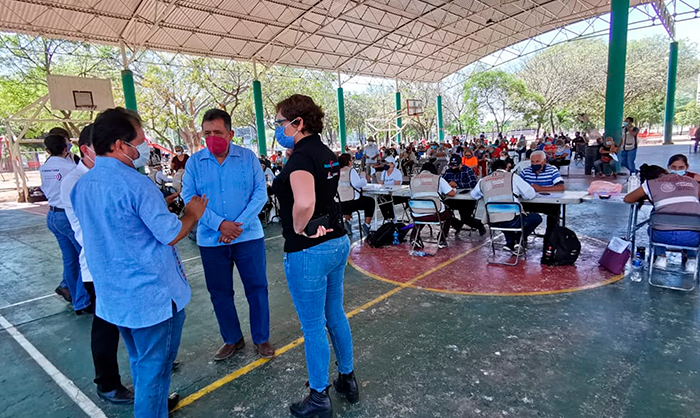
<point>615,256</point>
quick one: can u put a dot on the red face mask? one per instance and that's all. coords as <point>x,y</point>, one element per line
<point>216,144</point>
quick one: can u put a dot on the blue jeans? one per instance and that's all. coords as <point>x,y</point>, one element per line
<point>627,160</point>
<point>315,278</point>
<point>152,351</point>
<point>249,258</point>
<point>530,223</point>
<point>58,223</point>
<point>682,238</point>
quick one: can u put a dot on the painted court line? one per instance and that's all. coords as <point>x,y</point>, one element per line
<point>27,301</point>
<point>66,384</point>
<point>259,362</point>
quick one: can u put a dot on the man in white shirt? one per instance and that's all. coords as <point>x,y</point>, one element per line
<point>371,155</point>
<point>161,178</point>
<point>503,186</point>
<point>104,336</point>
<point>54,170</point>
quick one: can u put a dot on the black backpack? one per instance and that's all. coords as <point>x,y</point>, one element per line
<point>385,234</point>
<point>562,248</point>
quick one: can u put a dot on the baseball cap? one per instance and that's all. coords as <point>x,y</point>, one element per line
<point>390,160</point>
<point>455,161</point>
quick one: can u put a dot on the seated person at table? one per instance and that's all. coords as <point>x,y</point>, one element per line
<point>391,176</point>
<point>350,185</point>
<point>544,178</point>
<point>672,194</point>
<point>562,155</point>
<point>502,186</point>
<point>429,185</point>
<point>605,160</point>
<point>459,176</point>
<point>678,164</point>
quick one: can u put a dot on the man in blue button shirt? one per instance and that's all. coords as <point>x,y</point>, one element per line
<point>129,239</point>
<point>230,231</point>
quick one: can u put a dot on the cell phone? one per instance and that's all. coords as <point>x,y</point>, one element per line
<point>544,193</point>
<point>465,191</point>
<point>313,225</point>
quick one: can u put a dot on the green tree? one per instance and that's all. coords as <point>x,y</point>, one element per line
<point>498,95</point>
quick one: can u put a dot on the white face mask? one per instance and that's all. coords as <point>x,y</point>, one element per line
<point>178,152</point>
<point>144,152</point>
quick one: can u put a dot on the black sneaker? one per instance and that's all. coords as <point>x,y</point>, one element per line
<point>173,399</point>
<point>120,395</point>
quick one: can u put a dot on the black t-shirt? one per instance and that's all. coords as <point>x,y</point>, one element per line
<point>311,155</point>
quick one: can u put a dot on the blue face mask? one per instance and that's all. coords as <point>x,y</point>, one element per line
<point>536,167</point>
<point>679,172</point>
<point>144,152</point>
<point>282,139</point>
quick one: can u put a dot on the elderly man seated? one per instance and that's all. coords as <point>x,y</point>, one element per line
<point>545,179</point>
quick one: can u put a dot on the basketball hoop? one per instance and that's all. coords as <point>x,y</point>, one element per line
<point>414,107</point>
<point>79,93</point>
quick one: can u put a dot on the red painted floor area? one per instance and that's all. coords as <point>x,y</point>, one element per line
<point>462,268</point>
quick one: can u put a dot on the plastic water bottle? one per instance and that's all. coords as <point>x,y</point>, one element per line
<point>633,182</point>
<point>638,265</point>
<point>417,253</point>
<point>396,238</point>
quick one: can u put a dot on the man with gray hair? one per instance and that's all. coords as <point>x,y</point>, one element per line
<point>544,178</point>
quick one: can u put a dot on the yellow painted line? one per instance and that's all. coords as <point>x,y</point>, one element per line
<point>410,283</point>
<point>259,362</point>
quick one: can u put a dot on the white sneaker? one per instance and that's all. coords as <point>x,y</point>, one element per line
<point>660,263</point>
<point>691,265</point>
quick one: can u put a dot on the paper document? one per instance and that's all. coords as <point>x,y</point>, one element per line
<point>618,245</point>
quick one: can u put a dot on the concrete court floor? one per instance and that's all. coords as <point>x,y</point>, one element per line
<point>621,350</point>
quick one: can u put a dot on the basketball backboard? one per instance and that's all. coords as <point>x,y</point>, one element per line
<point>414,107</point>
<point>79,93</point>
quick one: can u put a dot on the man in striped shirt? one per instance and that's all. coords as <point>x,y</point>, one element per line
<point>543,178</point>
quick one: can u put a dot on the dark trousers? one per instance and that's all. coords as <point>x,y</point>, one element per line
<point>249,258</point>
<point>364,203</point>
<point>386,205</point>
<point>530,222</point>
<point>445,216</point>
<point>104,342</point>
<point>552,211</point>
<point>466,213</point>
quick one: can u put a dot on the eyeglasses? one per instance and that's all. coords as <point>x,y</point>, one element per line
<point>279,122</point>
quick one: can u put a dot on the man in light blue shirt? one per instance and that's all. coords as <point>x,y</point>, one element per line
<point>130,238</point>
<point>230,231</point>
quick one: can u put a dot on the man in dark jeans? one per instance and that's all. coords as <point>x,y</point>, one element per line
<point>462,177</point>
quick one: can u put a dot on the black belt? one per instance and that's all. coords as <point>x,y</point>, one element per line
<point>55,209</point>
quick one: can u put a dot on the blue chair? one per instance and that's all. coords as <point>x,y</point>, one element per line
<point>682,222</point>
<point>515,208</point>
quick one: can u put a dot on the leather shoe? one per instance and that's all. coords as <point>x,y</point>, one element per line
<point>314,405</point>
<point>227,350</point>
<point>64,293</point>
<point>265,350</point>
<point>173,399</point>
<point>346,385</point>
<point>120,395</point>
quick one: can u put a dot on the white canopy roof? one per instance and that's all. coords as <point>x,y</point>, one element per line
<point>414,40</point>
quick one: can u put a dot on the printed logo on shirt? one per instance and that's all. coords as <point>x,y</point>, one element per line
<point>59,176</point>
<point>332,165</point>
<point>668,187</point>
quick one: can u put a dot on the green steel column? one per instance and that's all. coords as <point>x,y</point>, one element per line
<point>617,55</point>
<point>259,120</point>
<point>129,90</point>
<point>341,120</point>
<point>441,128</point>
<point>670,93</point>
<point>398,115</point>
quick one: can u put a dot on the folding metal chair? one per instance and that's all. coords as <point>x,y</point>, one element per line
<point>425,206</point>
<point>684,222</point>
<point>514,208</point>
